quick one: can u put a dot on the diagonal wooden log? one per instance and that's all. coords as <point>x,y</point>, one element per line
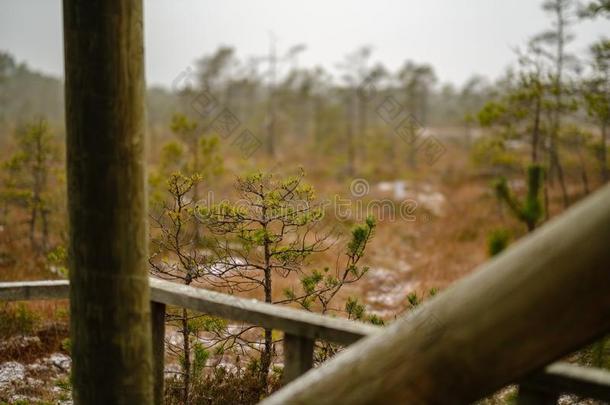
<point>544,297</point>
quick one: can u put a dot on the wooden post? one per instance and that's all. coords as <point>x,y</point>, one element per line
<point>109,292</point>
<point>542,298</point>
<point>158,344</point>
<point>298,356</point>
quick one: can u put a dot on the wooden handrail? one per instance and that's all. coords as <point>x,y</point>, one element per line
<point>560,378</point>
<point>551,381</point>
<point>544,297</point>
<point>295,322</point>
<point>34,290</point>
<point>301,328</point>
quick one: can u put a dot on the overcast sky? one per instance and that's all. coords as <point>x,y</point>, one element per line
<point>459,38</point>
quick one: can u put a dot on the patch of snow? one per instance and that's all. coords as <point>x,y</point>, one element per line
<point>230,367</point>
<point>10,372</point>
<point>34,382</point>
<point>398,188</point>
<point>389,290</point>
<point>424,194</point>
<point>432,200</point>
<point>61,361</point>
<point>23,399</point>
<point>222,268</point>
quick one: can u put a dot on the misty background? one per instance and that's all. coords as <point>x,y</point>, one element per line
<point>458,38</point>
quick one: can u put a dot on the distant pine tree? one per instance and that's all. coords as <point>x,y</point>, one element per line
<point>530,210</point>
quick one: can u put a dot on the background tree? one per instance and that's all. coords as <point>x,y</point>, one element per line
<point>29,170</point>
<point>276,63</point>
<point>530,210</point>
<point>355,70</point>
<point>192,153</point>
<point>595,8</point>
<point>555,40</point>
<point>417,81</point>
<point>213,70</point>
<point>596,95</point>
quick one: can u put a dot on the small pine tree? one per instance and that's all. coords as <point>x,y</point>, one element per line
<point>191,153</point>
<point>529,211</point>
<point>27,180</point>
<point>177,257</point>
<point>270,233</point>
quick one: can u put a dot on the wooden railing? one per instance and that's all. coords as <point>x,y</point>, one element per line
<point>301,329</point>
<point>543,298</point>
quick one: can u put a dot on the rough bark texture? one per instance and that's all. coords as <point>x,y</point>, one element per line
<point>109,295</point>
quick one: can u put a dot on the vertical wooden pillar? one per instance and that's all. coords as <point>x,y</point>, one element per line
<point>109,294</point>
<point>298,356</point>
<point>158,344</point>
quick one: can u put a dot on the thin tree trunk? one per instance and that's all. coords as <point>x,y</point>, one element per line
<point>36,188</point>
<point>350,136</point>
<point>196,168</point>
<point>4,213</point>
<point>109,293</point>
<point>604,154</point>
<point>560,177</point>
<point>583,172</point>
<point>42,207</point>
<point>33,216</point>
<point>424,107</point>
<point>362,122</point>
<point>547,214</point>
<point>536,131</point>
<point>317,121</point>
<point>556,163</point>
<point>271,114</point>
<point>266,355</point>
<point>44,216</point>
<point>186,366</point>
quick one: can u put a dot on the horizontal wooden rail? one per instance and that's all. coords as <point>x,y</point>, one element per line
<point>549,383</point>
<point>301,328</point>
<point>34,290</point>
<point>542,298</point>
<point>295,322</point>
<point>562,378</point>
